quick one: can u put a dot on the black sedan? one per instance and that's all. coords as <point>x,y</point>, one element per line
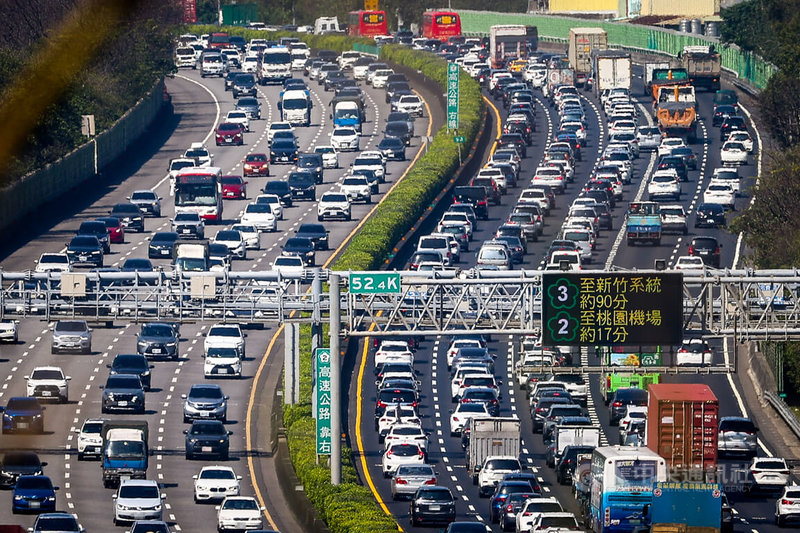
<point>316,232</point>
<point>209,438</point>
<point>393,148</point>
<point>161,244</point>
<point>311,163</point>
<point>398,129</point>
<point>300,246</point>
<point>85,250</point>
<point>132,363</point>
<point>130,215</point>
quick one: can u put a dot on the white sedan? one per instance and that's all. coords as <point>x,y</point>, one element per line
<point>53,262</point>
<point>345,139</point>
<point>406,433</point>
<point>394,351</point>
<point>238,117</point>
<point>289,264</point>
<point>330,158</point>
<point>250,235</point>
<point>733,153</point>
<point>401,454</point>
<point>720,193</point>
<point>215,482</point>
<point>274,202</point>
<point>689,262</point>
<point>260,216</point>
<point>463,413</point>
<point>238,513</point>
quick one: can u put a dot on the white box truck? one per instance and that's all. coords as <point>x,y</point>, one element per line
<point>612,70</point>
<point>491,436</point>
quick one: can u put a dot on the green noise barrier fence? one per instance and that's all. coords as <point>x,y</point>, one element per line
<point>745,65</point>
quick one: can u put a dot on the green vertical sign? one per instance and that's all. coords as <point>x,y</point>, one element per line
<point>452,96</point>
<point>322,405</point>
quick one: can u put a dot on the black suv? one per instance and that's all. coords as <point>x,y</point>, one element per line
<point>302,247</point>
<point>281,188</point>
<point>207,437</point>
<point>283,151</point>
<point>618,407</point>
<point>433,504</point>
<point>302,185</point>
<point>707,249</point>
<point>311,163</point>
<point>96,228</point>
<point>710,215</point>
<point>161,245</point>
<point>476,197</point>
<point>731,124</point>
<point>316,232</point>
<point>19,463</point>
<point>676,162</point>
<point>158,340</point>
<point>132,363</point>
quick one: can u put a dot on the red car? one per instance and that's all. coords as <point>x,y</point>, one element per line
<point>230,133</point>
<point>234,187</point>
<point>116,231</point>
<point>256,165</point>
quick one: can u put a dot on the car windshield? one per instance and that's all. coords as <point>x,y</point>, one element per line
<point>206,393</point>
<point>118,381</point>
<point>56,523</point>
<point>156,330</point>
<point>228,235</point>
<point>241,505</point>
<point>83,241</point>
<point>214,473</point>
<point>23,404</point>
<point>47,374</point>
<point>223,331</point>
<point>502,464</point>
<point>138,491</point>
<point>334,198</point>
<point>125,448</point>
<point>165,237</point>
<point>222,352</point>
<point>92,427</point>
<point>33,483</point>
<point>143,195</point>
<point>136,362</point>
<point>207,428</point>
<point>471,408</point>
<point>260,158</point>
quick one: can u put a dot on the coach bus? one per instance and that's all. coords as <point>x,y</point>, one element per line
<point>199,190</point>
<point>440,25</point>
<point>622,486</point>
<point>367,23</point>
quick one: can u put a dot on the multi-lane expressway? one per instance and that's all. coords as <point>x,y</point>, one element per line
<point>754,513</point>
<point>199,104</point>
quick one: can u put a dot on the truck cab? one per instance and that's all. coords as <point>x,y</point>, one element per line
<point>347,113</point>
<point>295,107</point>
<point>125,450</point>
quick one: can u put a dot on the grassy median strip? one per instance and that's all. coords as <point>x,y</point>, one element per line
<point>351,507</point>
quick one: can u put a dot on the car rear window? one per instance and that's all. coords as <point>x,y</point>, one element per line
<point>396,396</point>
<point>739,426</point>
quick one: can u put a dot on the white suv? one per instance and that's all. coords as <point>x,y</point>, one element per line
<point>90,441</point>
<point>334,205</point>
<point>493,470</point>
<point>48,383</point>
<point>788,505</point>
<point>225,336</point>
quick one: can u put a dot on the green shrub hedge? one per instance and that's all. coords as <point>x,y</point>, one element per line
<point>351,507</point>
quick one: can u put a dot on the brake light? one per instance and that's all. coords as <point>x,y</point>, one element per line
<point>691,250</point>
<point>381,403</point>
<point>755,471</point>
<point>431,481</point>
<point>509,508</point>
<point>400,481</point>
<point>716,251</point>
<point>616,404</point>
<point>389,453</point>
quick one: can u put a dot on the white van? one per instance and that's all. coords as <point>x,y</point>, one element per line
<point>326,25</point>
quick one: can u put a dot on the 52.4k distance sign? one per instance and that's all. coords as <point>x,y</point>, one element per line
<point>613,309</point>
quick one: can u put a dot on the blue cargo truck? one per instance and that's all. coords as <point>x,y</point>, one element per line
<point>643,223</point>
<point>685,507</point>
<point>125,450</point>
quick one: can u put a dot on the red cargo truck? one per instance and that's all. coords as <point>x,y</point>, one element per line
<point>682,428</point>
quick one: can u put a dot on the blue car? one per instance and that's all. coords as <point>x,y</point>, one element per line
<point>34,494</point>
<point>23,414</point>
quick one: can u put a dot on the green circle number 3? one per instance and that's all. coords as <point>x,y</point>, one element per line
<point>563,294</point>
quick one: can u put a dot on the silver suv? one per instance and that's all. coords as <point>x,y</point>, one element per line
<point>737,435</point>
<point>148,201</point>
<point>71,335</point>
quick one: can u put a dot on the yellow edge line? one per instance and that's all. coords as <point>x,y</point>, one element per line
<point>497,122</point>
<point>274,339</point>
<point>248,434</point>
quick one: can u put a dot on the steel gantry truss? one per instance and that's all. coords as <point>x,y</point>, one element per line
<point>744,304</point>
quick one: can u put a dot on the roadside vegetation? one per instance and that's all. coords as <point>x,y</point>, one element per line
<point>771,224</point>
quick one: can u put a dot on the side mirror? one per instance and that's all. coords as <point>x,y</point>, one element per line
<point>56,487</point>
<point>151,366</point>
<point>227,397</point>
<point>108,366</point>
<point>163,496</point>
<point>230,432</point>
<point>183,396</point>
<point>194,476</point>
<point>68,378</point>
<point>216,508</point>
<point>185,431</point>
<point>477,468</point>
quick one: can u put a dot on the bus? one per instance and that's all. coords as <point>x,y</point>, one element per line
<point>622,486</point>
<point>367,23</point>
<point>199,190</point>
<point>440,25</point>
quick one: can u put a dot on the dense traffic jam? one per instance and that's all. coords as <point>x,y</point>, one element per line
<point>205,235</point>
<point>415,456</point>
<point>602,478</point>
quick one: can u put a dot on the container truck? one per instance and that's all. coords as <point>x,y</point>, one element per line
<point>491,436</point>
<point>582,42</point>
<point>507,42</point>
<point>703,64</point>
<point>611,70</point>
<point>682,427</point>
<point>649,69</point>
<point>681,507</point>
<point>125,450</point>
<point>643,223</point>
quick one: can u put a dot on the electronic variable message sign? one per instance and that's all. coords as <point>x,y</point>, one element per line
<point>612,309</point>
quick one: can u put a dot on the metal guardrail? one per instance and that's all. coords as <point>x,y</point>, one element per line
<point>784,410</point>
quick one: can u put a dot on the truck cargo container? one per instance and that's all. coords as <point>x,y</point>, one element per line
<point>682,428</point>
<point>611,70</point>
<point>558,76</point>
<point>507,42</point>
<point>582,42</point>
<point>681,507</point>
<point>491,436</point>
<point>666,76</point>
<point>703,64</point>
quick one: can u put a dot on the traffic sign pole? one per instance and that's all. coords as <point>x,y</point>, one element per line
<point>336,382</point>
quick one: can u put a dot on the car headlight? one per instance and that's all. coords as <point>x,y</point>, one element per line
<point>121,507</point>
<point>110,396</point>
<point>172,344</point>
<point>40,415</point>
<point>222,441</point>
<point>51,498</point>
<point>192,441</point>
<point>18,497</point>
